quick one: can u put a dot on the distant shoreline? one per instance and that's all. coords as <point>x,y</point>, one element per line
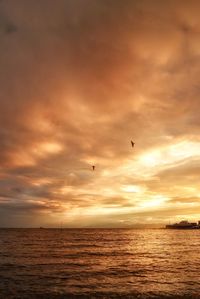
<point>96,228</point>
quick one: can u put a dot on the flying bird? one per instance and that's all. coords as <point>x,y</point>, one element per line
<point>93,167</point>
<point>132,143</point>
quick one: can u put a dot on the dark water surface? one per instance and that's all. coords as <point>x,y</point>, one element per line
<point>99,263</point>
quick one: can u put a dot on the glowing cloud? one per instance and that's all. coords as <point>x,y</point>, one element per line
<point>77,84</point>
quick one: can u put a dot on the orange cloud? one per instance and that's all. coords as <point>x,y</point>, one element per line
<point>77,84</point>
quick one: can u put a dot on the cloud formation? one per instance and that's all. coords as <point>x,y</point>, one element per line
<point>78,81</point>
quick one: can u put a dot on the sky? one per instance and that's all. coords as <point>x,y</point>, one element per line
<point>78,81</point>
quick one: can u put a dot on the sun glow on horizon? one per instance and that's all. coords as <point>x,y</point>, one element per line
<point>108,184</point>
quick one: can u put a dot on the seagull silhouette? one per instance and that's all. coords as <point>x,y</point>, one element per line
<point>132,143</point>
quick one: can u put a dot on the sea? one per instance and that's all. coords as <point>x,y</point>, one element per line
<point>99,263</point>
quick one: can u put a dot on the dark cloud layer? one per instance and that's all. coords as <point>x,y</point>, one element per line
<point>78,81</point>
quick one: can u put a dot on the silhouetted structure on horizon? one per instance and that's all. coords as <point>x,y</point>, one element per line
<point>184,225</point>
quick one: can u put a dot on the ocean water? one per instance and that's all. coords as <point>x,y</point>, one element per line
<point>99,263</point>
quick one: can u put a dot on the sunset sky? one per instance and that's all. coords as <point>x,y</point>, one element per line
<point>80,79</point>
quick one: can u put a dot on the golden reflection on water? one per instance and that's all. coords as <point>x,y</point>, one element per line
<point>103,261</point>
